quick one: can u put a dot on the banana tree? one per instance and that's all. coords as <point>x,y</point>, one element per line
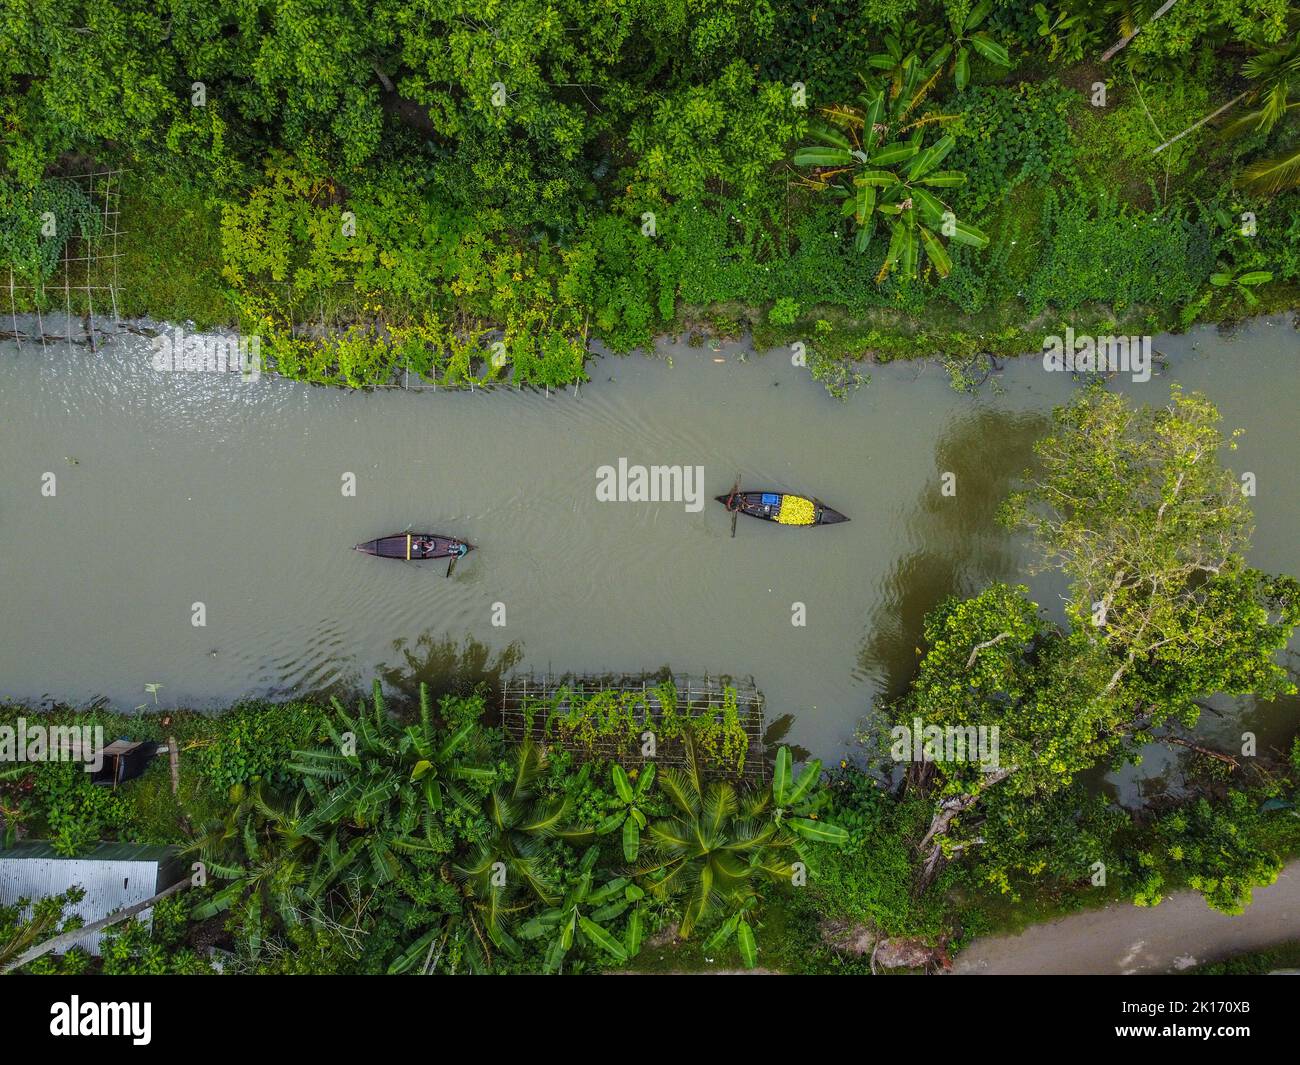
<point>795,804</point>
<point>1243,283</point>
<point>436,761</point>
<point>968,37</point>
<point>877,175</point>
<point>896,62</point>
<point>452,945</point>
<point>384,785</point>
<point>506,872</point>
<point>580,918</point>
<point>630,817</point>
<point>737,927</point>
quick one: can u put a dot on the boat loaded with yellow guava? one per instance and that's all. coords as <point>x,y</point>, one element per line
<point>784,508</point>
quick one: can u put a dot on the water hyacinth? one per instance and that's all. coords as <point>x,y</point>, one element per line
<point>795,510</point>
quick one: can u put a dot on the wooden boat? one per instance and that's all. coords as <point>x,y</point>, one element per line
<point>801,511</point>
<point>415,547</point>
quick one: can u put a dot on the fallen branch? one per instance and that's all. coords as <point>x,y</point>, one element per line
<point>984,646</point>
<point>1227,758</point>
<point>1198,124</point>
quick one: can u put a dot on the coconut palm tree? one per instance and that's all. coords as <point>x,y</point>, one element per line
<point>273,864</point>
<point>1275,76</point>
<point>713,848</point>
<point>721,844</point>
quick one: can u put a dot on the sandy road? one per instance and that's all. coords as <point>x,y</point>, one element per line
<point>1121,938</point>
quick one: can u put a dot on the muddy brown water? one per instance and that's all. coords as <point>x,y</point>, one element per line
<point>173,489</point>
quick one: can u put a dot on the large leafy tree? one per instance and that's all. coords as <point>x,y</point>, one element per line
<point>1134,506</point>
<point>1217,848</point>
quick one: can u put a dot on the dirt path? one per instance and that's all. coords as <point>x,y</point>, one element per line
<point>1179,933</point>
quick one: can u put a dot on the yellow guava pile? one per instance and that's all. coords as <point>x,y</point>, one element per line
<point>795,510</point>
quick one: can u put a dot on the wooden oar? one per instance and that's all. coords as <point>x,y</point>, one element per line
<point>735,512</point>
<point>456,558</point>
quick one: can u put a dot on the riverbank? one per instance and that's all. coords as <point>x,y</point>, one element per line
<point>860,908</point>
<point>1179,934</point>
<point>182,257</point>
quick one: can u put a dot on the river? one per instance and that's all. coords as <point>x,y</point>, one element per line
<point>177,489</point>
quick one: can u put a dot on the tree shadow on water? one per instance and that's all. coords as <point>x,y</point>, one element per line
<point>959,545</point>
<point>447,666</point>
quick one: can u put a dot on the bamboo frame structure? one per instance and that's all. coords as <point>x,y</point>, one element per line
<point>322,325</point>
<point>696,694</point>
<point>94,258</point>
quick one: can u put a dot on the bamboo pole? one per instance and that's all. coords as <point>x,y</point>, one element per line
<point>68,939</point>
<point>1123,42</point>
<point>174,763</point>
<point>1197,125</point>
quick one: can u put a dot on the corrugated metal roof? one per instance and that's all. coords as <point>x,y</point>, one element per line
<point>114,875</point>
<point>108,851</point>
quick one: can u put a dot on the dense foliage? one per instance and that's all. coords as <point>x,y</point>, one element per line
<point>1136,508</point>
<point>472,194</point>
<point>417,839</point>
<point>377,188</point>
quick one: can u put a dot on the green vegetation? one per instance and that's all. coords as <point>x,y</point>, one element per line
<point>1256,963</point>
<point>473,198</point>
<point>1134,506</point>
<point>417,839</point>
<point>618,718</point>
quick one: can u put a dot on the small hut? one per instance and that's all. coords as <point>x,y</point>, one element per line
<point>122,760</point>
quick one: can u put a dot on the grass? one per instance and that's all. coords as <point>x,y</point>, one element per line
<point>171,254</point>
<point>1255,963</point>
<point>169,264</point>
